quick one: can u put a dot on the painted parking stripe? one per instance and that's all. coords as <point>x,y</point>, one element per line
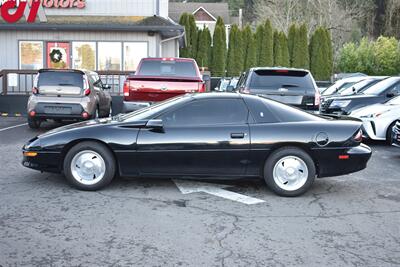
<point>13,127</point>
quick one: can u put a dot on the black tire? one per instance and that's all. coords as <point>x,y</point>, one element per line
<point>104,152</point>
<point>33,123</point>
<point>282,153</point>
<point>389,133</point>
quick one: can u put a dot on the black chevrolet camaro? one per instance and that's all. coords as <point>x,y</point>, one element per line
<point>210,135</point>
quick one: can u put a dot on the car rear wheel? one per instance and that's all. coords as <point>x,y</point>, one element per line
<point>289,172</point>
<point>389,133</point>
<point>89,166</point>
<point>33,123</point>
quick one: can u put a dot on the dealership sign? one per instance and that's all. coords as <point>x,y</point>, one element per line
<point>13,10</point>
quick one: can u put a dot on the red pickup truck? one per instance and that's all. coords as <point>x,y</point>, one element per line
<point>158,79</point>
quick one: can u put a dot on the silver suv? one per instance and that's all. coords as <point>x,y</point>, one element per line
<point>68,95</point>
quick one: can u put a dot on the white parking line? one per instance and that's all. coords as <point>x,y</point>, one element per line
<point>12,127</point>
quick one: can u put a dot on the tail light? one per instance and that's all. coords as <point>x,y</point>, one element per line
<point>86,85</point>
<point>126,88</point>
<point>358,137</point>
<point>32,113</point>
<point>35,91</point>
<point>85,115</point>
<point>317,100</point>
<point>202,87</point>
<point>246,90</point>
<point>87,92</point>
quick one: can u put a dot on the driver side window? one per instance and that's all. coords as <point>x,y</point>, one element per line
<point>208,112</point>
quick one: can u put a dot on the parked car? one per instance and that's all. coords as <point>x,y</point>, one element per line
<point>157,79</point>
<point>204,135</point>
<point>396,134</point>
<point>290,86</point>
<point>342,84</point>
<point>379,119</point>
<point>362,86</point>
<point>227,84</point>
<point>378,93</point>
<point>67,95</point>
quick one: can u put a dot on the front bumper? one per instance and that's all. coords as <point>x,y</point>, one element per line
<point>44,161</point>
<point>370,131</point>
<point>341,161</point>
<point>128,106</point>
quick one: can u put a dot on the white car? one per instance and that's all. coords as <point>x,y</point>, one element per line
<point>343,84</point>
<point>379,119</point>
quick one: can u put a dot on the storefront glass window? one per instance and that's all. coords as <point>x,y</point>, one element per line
<point>84,55</point>
<point>109,55</point>
<point>30,55</point>
<point>133,53</point>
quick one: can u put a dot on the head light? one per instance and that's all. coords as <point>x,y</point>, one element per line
<point>340,103</point>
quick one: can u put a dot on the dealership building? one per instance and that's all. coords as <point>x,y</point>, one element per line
<point>100,35</point>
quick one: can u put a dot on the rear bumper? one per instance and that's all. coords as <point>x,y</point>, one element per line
<point>330,163</point>
<point>129,106</point>
<point>67,111</point>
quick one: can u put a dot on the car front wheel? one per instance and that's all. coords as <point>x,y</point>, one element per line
<point>289,172</point>
<point>89,166</point>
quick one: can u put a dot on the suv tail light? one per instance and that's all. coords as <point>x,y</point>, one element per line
<point>126,88</point>
<point>86,85</point>
<point>317,100</point>
<point>35,91</point>
<point>358,137</point>
<point>87,92</point>
<point>202,87</point>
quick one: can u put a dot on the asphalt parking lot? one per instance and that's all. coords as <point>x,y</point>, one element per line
<point>352,220</point>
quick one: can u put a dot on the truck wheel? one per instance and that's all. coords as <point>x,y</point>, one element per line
<point>89,166</point>
<point>289,172</point>
<point>33,123</point>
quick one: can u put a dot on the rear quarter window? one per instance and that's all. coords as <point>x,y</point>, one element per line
<point>168,68</point>
<point>74,79</point>
<point>271,79</point>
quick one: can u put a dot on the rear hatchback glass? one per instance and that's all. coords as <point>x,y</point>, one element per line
<point>275,79</point>
<point>167,68</point>
<point>69,79</point>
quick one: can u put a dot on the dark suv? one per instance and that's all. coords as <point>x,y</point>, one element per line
<point>295,87</point>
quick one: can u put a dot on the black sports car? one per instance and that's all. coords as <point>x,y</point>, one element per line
<point>225,135</point>
<point>381,92</point>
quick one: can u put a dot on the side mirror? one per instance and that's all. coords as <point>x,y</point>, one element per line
<point>230,88</point>
<point>390,95</point>
<point>155,124</point>
<point>106,87</point>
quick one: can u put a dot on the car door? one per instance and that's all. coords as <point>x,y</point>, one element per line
<point>203,137</point>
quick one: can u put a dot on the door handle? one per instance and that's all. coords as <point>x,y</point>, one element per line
<point>237,135</point>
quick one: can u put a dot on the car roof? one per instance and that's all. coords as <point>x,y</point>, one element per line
<point>62,70</point>
<point>215,95</point>
<point>278,68</point>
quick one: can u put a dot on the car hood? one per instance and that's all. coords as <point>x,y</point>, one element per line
<point>353,97</point>
<point>376,108</point>
<point>90,123</point>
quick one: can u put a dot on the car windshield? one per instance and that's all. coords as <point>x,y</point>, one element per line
<point>358,87</point>
<point>167,68</point>
<point>394,101</point>
<point>380,87</point>
<point>274,79</point>
<point>60,78</point>
<point>337,87</point>
<point>224,84</point>
<point>149,112</point>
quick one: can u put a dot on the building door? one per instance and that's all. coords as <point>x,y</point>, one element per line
<point>58,55</point>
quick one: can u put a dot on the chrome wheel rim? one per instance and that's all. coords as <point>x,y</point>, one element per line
<point>290,173</point>
<point>88,167</point>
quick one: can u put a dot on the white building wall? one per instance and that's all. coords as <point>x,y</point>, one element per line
<point>9,42</point>
<point>115,8</point>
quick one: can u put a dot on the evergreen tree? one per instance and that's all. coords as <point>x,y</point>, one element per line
<point>218,52</point>
<point>329,53</point>
<point>283,41</point>
<point>204,44</point>
<point>193,36</point>
<point>292,42</point>
<point>300,57</point>
<point>183,20</point>
<point>318,54</point>
<point>267,51</point>
<point>259,38</point>
<point>277,49</point>
<point>249,48</point>
<point>234,62</point>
